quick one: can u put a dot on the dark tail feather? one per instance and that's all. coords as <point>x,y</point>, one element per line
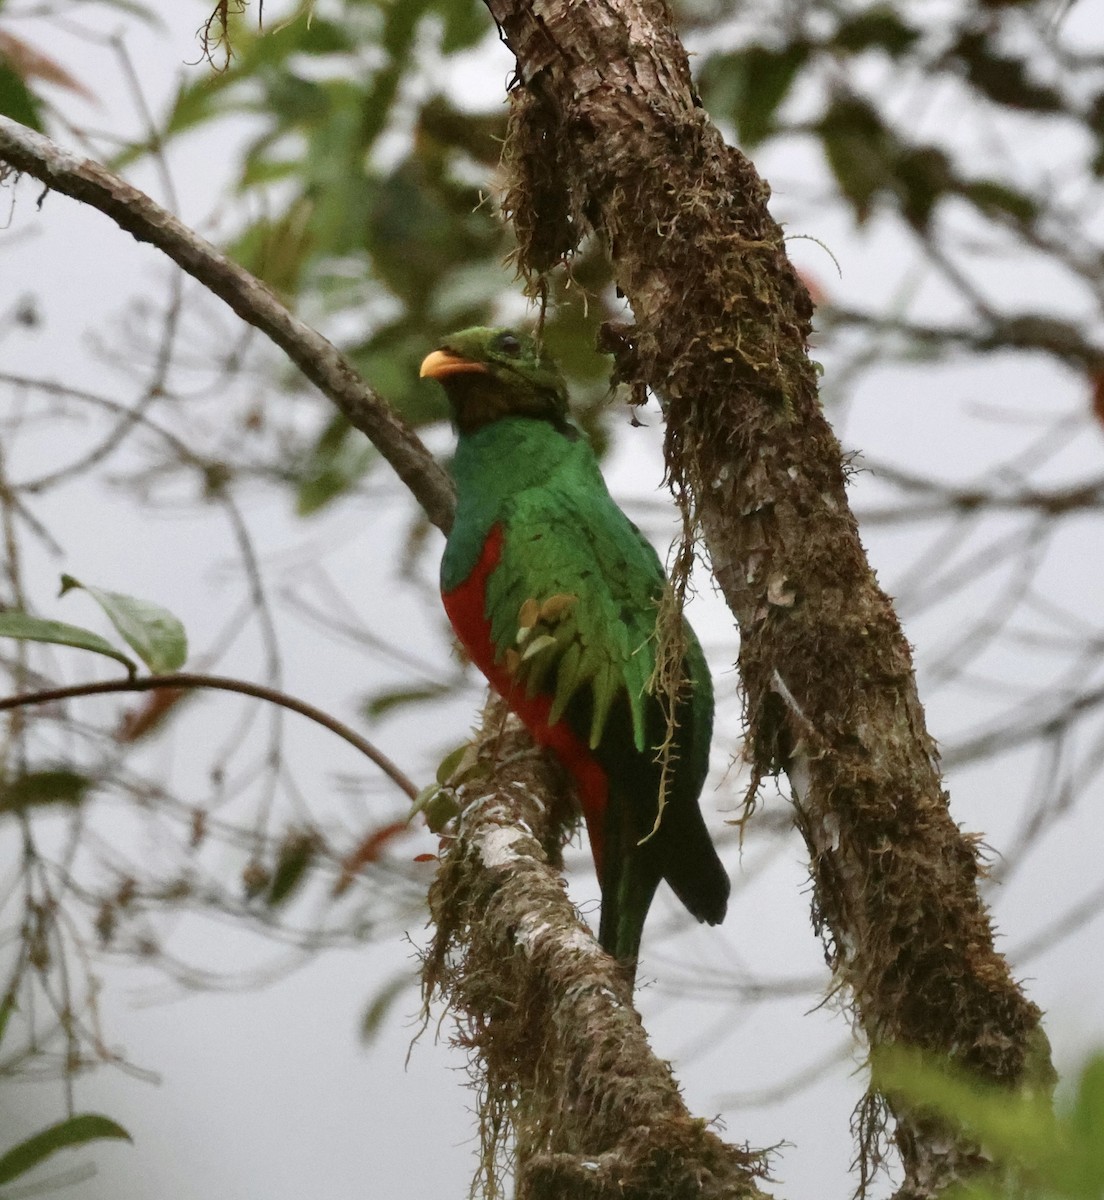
<point>624,909</point>
<point>630,876</point>
<point>681,852</point>
<point>690,862</point>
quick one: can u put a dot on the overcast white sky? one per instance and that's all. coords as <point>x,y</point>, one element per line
<point>268,1092</point>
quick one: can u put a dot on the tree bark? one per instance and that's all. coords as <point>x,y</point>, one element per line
<point>608,136</point>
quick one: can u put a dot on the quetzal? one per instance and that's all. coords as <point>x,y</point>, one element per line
<point>554,593</point>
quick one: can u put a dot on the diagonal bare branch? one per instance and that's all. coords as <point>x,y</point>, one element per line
<point>321,362</point>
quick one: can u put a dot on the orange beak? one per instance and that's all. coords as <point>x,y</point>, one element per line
<point>442,363</point>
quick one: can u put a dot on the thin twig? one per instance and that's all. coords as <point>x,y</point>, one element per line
<point>187,679</point>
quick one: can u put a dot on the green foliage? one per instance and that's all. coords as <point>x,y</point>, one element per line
<point>878,28</point>
<point>367,190</point>
<point>390,700</point>
<point>860,149</point>
<point>366,196</point>
<point>381,1004</point>
<point>77,1130</point>
<point>152,632</point>
<point>339,458</point>
<point>1002,78</point>
<point>7,1007</point>
<point>299,850</point>
<point>34,629</point>
<point>34,789</point>
<point>749,85</point>
<point>1036,1151</point>
<point>409,222</point>
<point>17,100</point>
<point>996,199</point>
<point>437,802</point>
<point>873,159</point>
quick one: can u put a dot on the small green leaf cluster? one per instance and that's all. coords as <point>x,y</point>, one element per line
<point>438,802</point>
<point>152,632</point>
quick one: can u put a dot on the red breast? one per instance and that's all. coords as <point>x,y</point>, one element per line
<point>467,610</point>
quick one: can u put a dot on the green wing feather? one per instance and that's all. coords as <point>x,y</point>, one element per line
<point>573,602</point>
<point>573,606</point>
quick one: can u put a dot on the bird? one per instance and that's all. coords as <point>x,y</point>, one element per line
<point>555,596</point>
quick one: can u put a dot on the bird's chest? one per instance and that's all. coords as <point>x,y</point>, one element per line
<point>465,599</point>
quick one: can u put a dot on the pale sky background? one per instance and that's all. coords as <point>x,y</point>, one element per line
<point>268,1093</point>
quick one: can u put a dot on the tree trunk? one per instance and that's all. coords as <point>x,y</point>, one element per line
<point>608,136</point>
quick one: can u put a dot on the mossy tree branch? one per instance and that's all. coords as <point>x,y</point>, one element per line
<point>608,136</point>
<point>564,1064</point>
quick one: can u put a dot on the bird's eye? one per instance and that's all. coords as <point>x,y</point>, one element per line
<point>508,344</point>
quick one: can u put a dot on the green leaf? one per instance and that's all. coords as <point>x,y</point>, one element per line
<point>74,1131</point>
<point>256,54</point>
<point>7,1007</point>
<point>996,198</point>
<point>276,249</point>
<point>1003,79</point>
<point>296,99</point>
<point>923,175</point>
<point>438,806</point>
<point>400,26</point>
<point>380,1006</point>
<point>37,788</point>
<point>141,11</point>
<point>340,458</point>
<point>1019,1130</point>
<point>17,100</point>
<point>466,25</point>
<point>1086,1126</point>
<point>197,101</point>
<point>296,855</point>
<point>876,28</point>
<point>303,35</point>
<point>750,85</point>
<point>450,764</point>
<point>258,171</point>
<point>34,629</point>
<point>389,362</point>
<point>152,632</point>
<point>381,703</point>
<point>860,151</point>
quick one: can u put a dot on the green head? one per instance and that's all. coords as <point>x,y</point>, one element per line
<point>488,374</point>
